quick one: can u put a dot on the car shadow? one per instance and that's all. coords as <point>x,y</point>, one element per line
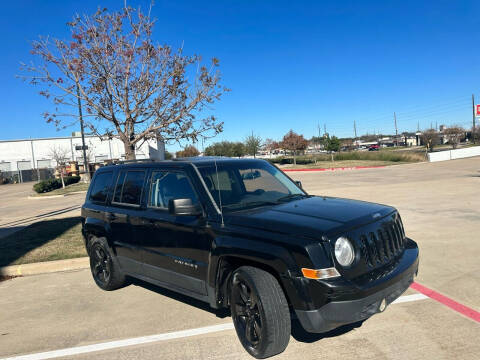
<point>299,333</point>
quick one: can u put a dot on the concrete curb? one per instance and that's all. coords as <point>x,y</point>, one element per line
<point>55,196</point>
<point>46,267</point>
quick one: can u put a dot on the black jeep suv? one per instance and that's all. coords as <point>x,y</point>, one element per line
<point>243,235</point>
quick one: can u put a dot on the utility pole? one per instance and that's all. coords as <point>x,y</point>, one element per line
<point>355,131</point>
<point>254,147</point>
<point>396,129</point>
<point>84,149</point>
<point>418,126</point>
<point>473,119</point>
<point>319,136</point>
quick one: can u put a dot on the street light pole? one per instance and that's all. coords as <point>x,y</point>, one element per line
<point>473,117</point>
<point>84,149</point>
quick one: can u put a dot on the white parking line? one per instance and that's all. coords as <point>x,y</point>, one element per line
<point>407,298</point>
<point>153,338</point>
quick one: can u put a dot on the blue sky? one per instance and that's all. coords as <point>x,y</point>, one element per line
<point>290,64</point>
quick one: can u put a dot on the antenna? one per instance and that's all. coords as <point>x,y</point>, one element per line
<point>219,193</point>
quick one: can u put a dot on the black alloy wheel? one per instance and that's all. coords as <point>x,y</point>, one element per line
<point>101,264</point>
<point>246,314</point>
<point>260,312</point>
<point>105,268</point>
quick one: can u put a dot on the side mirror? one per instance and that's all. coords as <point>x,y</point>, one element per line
<point>184,207</point>
<point>299,184</point>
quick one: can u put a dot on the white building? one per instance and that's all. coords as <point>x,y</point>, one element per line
<point>36,153</point>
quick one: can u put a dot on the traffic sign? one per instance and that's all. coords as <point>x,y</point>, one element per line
<point>477,110</point>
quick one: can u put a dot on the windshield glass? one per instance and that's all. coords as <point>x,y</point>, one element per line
<point>248,184</point>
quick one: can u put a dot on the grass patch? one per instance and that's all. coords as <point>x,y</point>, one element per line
<point>80,186</point>
<point>47,240</point>
<point>340,164</point>
<point>354,158</point>
<point>390,156</point>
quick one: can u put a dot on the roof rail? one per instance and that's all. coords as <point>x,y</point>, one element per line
<point>117,162</point>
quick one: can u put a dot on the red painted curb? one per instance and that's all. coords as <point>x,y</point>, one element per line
<point>452,304</point>
<point>339,168</point>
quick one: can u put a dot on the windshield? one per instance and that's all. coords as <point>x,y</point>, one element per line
<point>247,184</point>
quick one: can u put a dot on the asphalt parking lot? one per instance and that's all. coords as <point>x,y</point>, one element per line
<point>439,204</point>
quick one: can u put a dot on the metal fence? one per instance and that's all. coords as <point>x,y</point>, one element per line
<point>19,176</point>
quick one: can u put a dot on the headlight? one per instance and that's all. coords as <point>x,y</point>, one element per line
<point>344,251</point>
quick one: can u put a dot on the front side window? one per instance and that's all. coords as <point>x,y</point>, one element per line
<point>240,185</point>
<point>169,185</point>
<point>100,186</point>
<point>129,187</point>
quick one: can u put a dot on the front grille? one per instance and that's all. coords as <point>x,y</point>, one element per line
<point>381,245</point>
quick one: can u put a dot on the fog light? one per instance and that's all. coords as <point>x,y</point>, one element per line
<point>383,305</point>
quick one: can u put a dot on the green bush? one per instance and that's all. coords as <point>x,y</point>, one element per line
<point>52,184</point>
<point>301,160</point>
<point>47,185</point>
<point>69,180</point>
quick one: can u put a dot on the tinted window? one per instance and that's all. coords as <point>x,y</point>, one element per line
<point>129,187</point>
<point>100,186</point>
<point>246,184</point>
<point>167,185</point>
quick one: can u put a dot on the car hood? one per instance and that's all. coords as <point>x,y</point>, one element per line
<point>310,217</point>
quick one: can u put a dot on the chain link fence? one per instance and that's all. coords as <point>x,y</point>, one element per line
<point>20,176</point>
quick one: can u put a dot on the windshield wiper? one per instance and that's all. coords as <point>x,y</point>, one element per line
<point>249,204</point>
<point>291,196</point>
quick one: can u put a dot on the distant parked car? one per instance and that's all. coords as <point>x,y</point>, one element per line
<point>373,148</point>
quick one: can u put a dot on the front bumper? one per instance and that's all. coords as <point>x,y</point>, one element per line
<point>347,311</point>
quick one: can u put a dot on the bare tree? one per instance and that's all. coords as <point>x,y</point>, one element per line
<point>131,87</point>
<point>454,135</point>
<point>269,145</point>
<point>294,142</point>
<point>60,155</point>
<point>252,144</point>
<point>430,138</point>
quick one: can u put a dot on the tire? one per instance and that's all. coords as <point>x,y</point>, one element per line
<point>260,312</point>
<point>104,267</point>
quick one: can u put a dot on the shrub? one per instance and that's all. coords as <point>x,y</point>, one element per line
<point>69,180</point>
<point>52,184</point>
<point>47,185</point>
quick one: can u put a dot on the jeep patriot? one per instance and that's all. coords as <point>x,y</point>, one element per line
<point>240,234</point>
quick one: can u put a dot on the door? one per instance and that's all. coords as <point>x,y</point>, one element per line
<point>124,215</point>
<point>175,248</point>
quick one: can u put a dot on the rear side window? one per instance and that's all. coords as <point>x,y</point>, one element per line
<point>129,187</point>
<point>100,186</point>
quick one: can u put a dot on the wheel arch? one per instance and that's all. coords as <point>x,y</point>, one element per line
<point>95,228</point>
<point>227,266</point>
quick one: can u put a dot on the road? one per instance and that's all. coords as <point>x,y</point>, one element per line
<point>439,206</point>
